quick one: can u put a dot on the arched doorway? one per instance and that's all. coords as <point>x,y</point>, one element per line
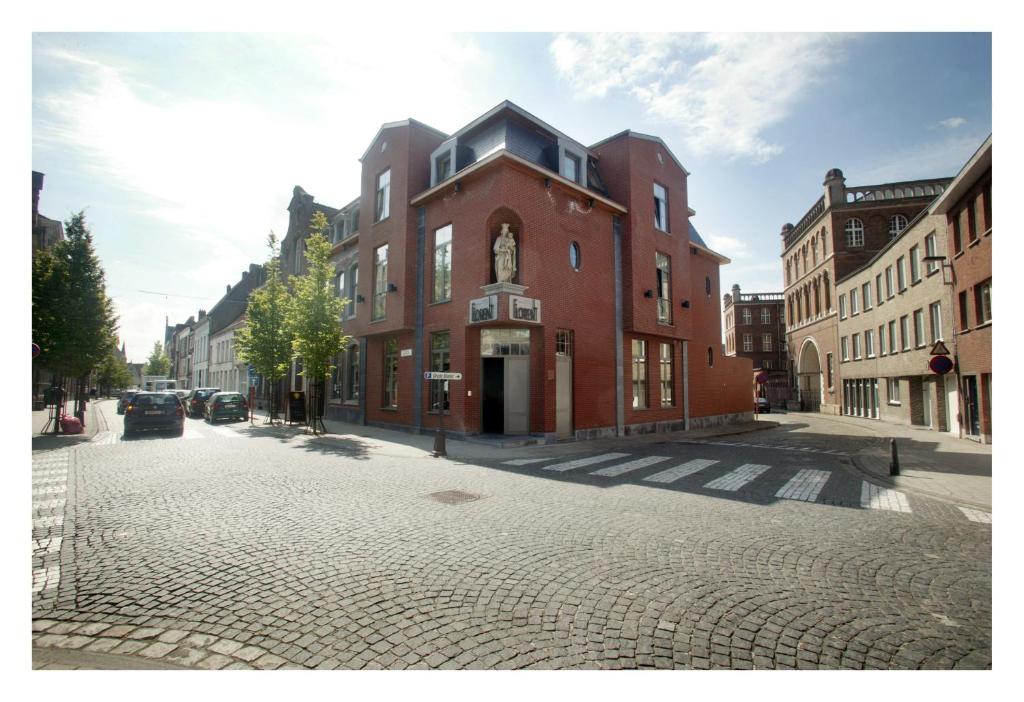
<point>809,377</point>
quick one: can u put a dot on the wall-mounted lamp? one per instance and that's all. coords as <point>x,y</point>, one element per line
<point>458,186</point>
<point>590,202</point>
<point>686,304</point>
<point>547,183</point>
<point>693,250</point>
<point>360,298</point>
<point>648,293</point>
<point>392,287</point>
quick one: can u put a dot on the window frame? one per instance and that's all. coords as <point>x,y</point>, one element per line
<point>661,208</point>
<point>663,273</point>
<point>639,377</point>
<point>382,197</point>
<point>892,391</point>
<point>440,360</point>
<point>919,337</point>
<point>844,348</point>
<point>439,274</point>
<point>865,294</point>
<point>389,389</point>
<point>666,363</point>
<point>894,228</point>
<point>915,264</point>
<point>854,231</point>
<point>935,320</point>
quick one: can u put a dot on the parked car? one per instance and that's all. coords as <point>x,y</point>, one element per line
<point>763,406</point>
<point>156,411</point>
<point>125,399</point>
<point>226,405</point>
<point>181,395</point>
<point>195,401</point>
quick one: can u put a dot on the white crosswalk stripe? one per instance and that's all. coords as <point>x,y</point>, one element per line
<point>680,471</point>
<point>49,481</point>
<point>621,468</point>
<point>876,497</point>
<point>48,504</point>
<point>805,485</point>
<point>45,578</point>
<point>527,461</point>
<point>581,462</point>
<point>49,491</point>
<point>48,522</point>
<point>977,515</point>
<point>734,480</point>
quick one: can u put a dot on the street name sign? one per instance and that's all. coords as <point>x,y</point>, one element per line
<point>436,375</point>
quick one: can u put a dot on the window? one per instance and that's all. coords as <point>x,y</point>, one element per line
<point>856,347</point>
<point>897,223</point>
<point>854,233</point>
<point>972,224</point>
<point>666,375</point>
<point>639,374</point>
<point>746,316</point>
<point>660,208</point>
<point>866,293</point>
<point>888,283</point>
<point>766,342</point>
<point>389,398</point>
<point>443,264</point>
<point>380,281</point>
<point>571,167</point>
<point>711,357</point>
<point>383,203</point>
<point>748,342</point>
<point>574,255</point>
<point>915,264</point>
<point>563,342</point>
<point>767,364</point>
<point>339,287</point>
<point>352,377</point>
<point>353,288</point>
<point>336,377</point>
<point>842,307</point>
<point>905,332</point>
<point>881,340</point>
<point>935,316</point>
<point>869,343</point>
<point>901,274</point>
<point>965,322</point>
<point>958,245</point>
<point>831,371</point>
<point>444,166</point>
<point>440,348</point>
<point>878,288</point>
<point>919,328</point>
<point>707,285</point>
<point>983,302</point>
<point>892,336</point>
<point>893,388</point>
<point>844,348</point>
<point>929,251</point>
<point>766,315</point>
<point>664,279</point>
<point>853,302</point>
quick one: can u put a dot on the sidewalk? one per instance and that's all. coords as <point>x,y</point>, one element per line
<point>94,423</point>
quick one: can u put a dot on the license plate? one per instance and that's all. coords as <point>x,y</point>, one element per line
<point>154,412</point>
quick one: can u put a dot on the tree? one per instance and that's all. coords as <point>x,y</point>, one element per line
<point>265,341</point>
<point>157,363</point>
<point>113,371</point>
<point>72,317</point>
<point>314,316</point>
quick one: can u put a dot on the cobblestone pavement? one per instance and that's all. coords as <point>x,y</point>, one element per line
<point>233,547</point>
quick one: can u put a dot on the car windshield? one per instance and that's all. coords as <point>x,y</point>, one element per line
<point>229,397</point>
<point>155,400</point>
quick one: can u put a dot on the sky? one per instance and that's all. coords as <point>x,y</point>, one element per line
<point>183,149</point>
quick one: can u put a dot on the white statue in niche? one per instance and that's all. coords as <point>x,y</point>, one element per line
<point>505,255</point>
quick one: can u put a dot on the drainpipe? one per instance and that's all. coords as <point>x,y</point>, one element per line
<point>620,415</point>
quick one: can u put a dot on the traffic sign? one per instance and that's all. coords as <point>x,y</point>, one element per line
<point>940,365</point>
<point>761,378</point>
<point>436,375</point>
<point>939,349</point>
<point>35,350</point>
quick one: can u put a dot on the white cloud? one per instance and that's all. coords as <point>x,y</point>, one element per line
<point>930,159</point>
<point>952,122</point>
<point>728,246</point>
<point>722,90</point>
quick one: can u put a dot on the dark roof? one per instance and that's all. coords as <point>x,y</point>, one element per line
<point>695,237</point>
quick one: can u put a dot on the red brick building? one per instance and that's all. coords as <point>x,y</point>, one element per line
<point>967,206</point>
<point>603,321</point>
<point>755,328</point>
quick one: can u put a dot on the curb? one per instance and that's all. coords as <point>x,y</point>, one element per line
<point>857,461</point>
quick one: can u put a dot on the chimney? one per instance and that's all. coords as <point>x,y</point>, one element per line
<point>835,188</point>
<point>228,290</point>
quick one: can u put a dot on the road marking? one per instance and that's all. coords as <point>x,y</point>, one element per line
<point>614,471</point>
<point>41,546</point>
<point>580,462</point>
<point>42,482</point>
<point>875,497</point>
<point>45,578</point>
<point>734,480</point>
<point>776,447</point>
<point>527,461</point>
<point>48,504</point>
<point>976,515</point>
<point>44,475</point>
<point>47,522</point>
<point>45,492</point>
<point>805,485</point>
<point>681,471</point>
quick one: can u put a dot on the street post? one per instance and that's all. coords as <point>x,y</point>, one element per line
<point>440,450</point>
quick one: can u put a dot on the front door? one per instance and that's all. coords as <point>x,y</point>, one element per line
<point>493,396</point>
<point>926,399</point>
<point>971,423</point>
<point>517,394</point>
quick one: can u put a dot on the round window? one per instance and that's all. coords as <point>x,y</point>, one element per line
<point>574,256</point>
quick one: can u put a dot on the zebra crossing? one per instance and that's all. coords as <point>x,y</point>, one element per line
<point>49,497</point>
<point>806,485</point>
<point>779,447</point>
<point>110,438</point>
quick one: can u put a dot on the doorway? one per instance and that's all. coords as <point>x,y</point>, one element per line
<point>493,396</point>
<point>972,424</point>
<point>505,381</point>
<point>563,384</point>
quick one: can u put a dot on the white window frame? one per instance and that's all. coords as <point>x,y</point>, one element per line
<point>856,347</point>
<point>661,208</point>
<point>766,342</point>
<point>844,348</point>
<point>935,320</point>
<point>930,249</point>
<point>905,332</point>
<point>766,315</point>
<point>919,338</point>
<point>854,310</point>
<point>869,343</point>
<point>893,346</point>
<point>915,264</point>
<point>901,274</point>
<point>881,339</point>
<point>889,290</point>
<point>382,203</point>
<point>892,390</point>
<point>865,293</point>
<point>854,233</point>
<point>747,319</point>
<point>842,306</point>
<point>897,223</point>
<point>748,342</point>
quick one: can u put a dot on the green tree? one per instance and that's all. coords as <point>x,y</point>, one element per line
<point>265,341</point>
<point>157,363</point>
<point>314,316</point>
<point>72,317</point>
<point>113,371</point>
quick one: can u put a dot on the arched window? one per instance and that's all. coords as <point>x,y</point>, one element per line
<point>854,233</point>
<point>574,256</point>
<point>897,223</point>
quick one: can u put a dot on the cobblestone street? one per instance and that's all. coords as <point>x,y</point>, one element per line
<point>239,547</point>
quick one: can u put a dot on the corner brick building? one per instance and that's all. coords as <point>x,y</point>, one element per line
<point>609,324</point>
<point>755,328</point>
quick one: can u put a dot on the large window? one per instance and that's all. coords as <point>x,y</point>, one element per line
<point>983,301</point>
<point>383,203</point>
<point>766,342</point>
<point>854,233</point>
<point>660,208</point>
<point>443,264</point>
<point>746,316</point>
<point>888,283</point>
<point>919,328</point>
<point>935,316</point>
<point>766,315</point>
<point>380,281</point>
<point>665,362</point>
<point>892,336</point>
<point>748,342</point>
<point>930,250</point>
<point>905,332</point>
<point>440,360</point>
<point>901,274</point>
<point>389,396</point>
<point>664,265</point>
<point>353,289</point>
<point>897,223</point>
<point>915,264</point>
<point>639,374</point>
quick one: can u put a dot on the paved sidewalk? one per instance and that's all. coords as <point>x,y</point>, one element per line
<point>94,423</point>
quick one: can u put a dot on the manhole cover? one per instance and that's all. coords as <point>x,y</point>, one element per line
<point>453,497</point>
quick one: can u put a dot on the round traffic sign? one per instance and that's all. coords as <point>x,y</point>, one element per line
<point>35,350</point>
<point>761,378</point>
<point>940,365</point>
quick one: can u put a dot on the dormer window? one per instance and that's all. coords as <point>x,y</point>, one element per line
<point>571,167</point>
<point>443,167</point>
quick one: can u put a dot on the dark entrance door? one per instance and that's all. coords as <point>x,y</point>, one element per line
<point>972,425</point>
<point>493,399</point>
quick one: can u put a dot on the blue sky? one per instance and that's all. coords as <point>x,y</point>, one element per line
<point>183,149</point>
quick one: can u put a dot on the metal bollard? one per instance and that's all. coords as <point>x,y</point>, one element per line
<point>440,450</point>
<point>894,464</point>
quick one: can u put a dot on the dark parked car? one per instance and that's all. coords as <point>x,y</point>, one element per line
<point>125,399</point>
<point>763,406</point>
<point>226,405</point>
<point>195,402</point>
<point>154,410</point>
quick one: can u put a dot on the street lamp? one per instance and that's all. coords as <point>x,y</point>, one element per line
<point>941,260</point>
